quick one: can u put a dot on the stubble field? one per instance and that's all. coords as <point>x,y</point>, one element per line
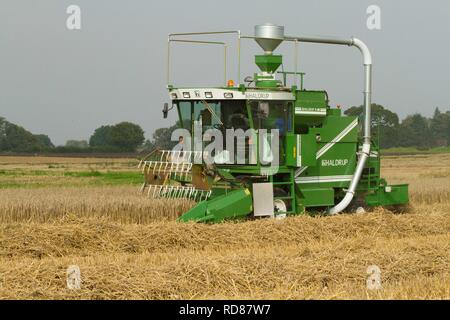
<point>56,212</point>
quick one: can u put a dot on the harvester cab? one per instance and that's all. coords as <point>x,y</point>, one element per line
<point>261,148</point>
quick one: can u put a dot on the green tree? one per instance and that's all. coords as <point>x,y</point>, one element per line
<point>45,140</point>
<point>14,138</point>
<point>101,137</point>
<point>415,132</point>
<point>127,136</point>
<point>440,126</point>
<point>385,123</point>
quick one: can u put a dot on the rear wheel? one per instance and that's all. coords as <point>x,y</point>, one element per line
<point>281,206</point>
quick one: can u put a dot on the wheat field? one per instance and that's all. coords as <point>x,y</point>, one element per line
<point>129,247</point>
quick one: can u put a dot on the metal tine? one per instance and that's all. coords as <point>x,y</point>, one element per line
<point>175,192</point>
<point>163,192</point>
<point>144,166</point>
<point>181,194</point>
<point>155,193</point>
<point>150,188</point>
<point>142,189</point>
<point>196,194</point>
<point>189,156</point>
<point>183,165</point>
<point>171,190</point>
<point>160,167</point>
<point>186,172</point>
<point>159,192</point>
<point>176,168</point>
<point>155,189</point>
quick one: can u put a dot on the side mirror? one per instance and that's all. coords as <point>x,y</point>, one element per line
<point>165,110</point>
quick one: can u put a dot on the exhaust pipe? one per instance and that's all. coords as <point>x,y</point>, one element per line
<point>367,61</point>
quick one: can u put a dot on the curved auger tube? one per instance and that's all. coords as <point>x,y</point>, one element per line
<point>365,152</point>
<point>367,57</point>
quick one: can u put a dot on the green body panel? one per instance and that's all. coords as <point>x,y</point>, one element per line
<point>292,150</point>
<point>340,160</point>
<point>311,99</point>
<point>300,150</point>
<point>268,63</point>
<point>316,197</point>
<point>308,150</point>
<point>232,204</point>
<point>310,109</point>
<point>397,195</point>
<point>332,126</point>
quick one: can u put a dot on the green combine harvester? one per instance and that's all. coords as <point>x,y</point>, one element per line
<point>290,152</point>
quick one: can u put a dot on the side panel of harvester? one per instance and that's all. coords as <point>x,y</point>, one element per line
<point>330,139</point>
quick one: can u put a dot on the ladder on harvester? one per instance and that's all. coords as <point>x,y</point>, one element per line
<point>168,174</point>
<point>286,182</point>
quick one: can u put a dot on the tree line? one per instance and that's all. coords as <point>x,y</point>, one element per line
<point>414,131</point>
<point>118,138</point>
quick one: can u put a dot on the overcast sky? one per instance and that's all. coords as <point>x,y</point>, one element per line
<point>65,83</point>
